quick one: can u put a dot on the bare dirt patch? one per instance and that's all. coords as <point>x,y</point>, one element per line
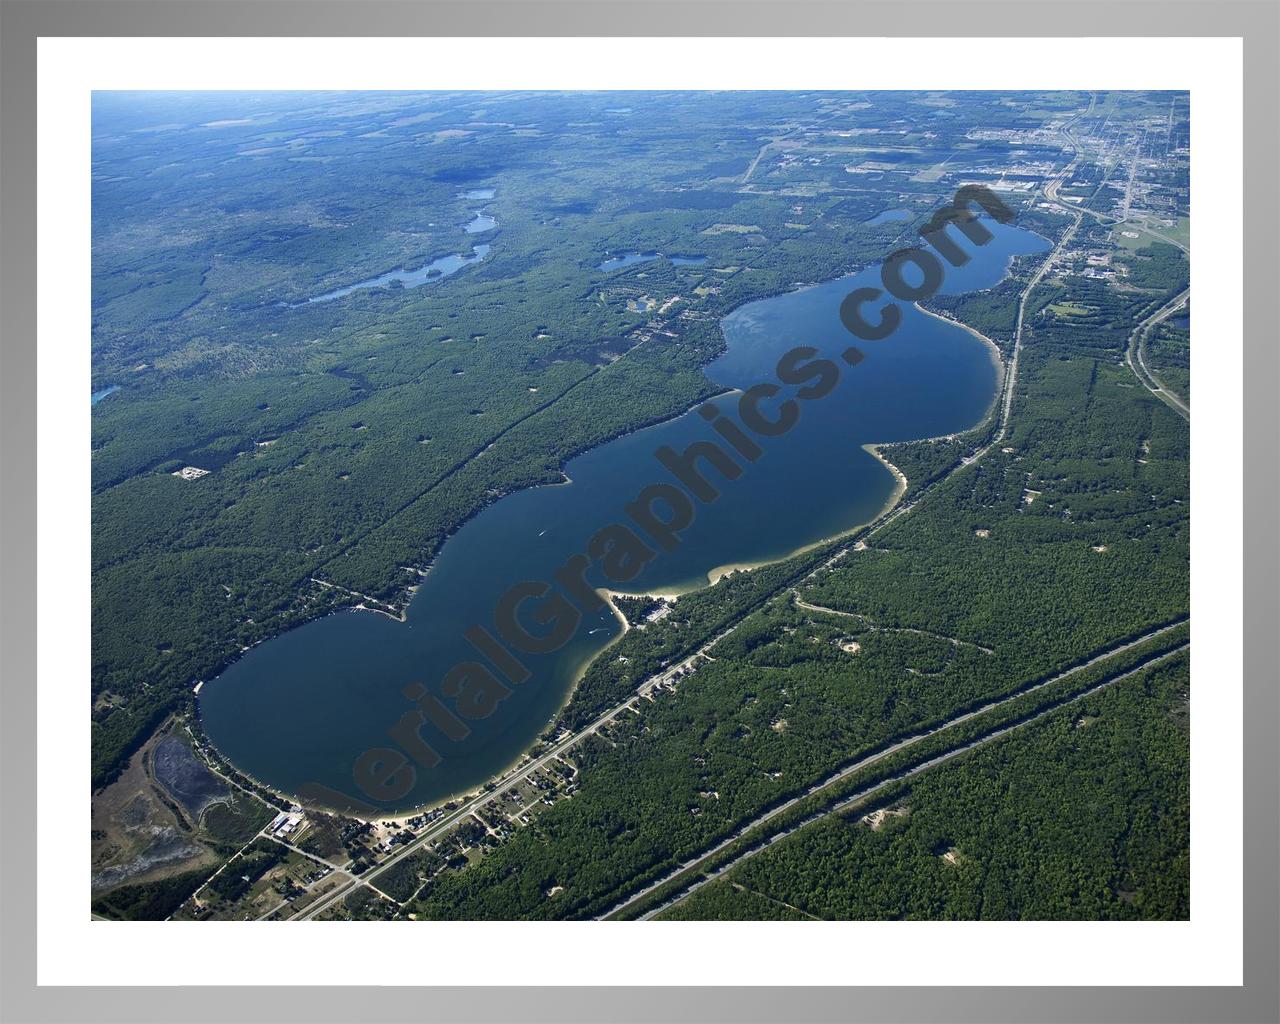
<point>876,819</point>
<point>140,832</point>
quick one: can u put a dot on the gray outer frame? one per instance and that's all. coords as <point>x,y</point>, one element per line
<point>1258,23</point>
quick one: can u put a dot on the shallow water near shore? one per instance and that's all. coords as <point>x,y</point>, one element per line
<point>300,708</point>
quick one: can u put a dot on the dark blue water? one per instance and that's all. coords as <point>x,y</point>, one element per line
<point>436,270</point>
<point>302,707</point>
<point>480,221</point>
<point>888,216</point>
<point>631,258</point>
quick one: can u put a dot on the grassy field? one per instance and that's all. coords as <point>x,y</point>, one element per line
<point>1144,232</point>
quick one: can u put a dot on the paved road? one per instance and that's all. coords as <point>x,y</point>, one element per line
<point>1134,356</point>
<point>865,762</point>
<point>443,824</point>
<point>870,791</point>
<point>1050,191</point>
<point>1012,376</point>
<point>1135,359</point>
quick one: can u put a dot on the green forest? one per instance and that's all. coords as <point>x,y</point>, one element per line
<point>345,441</point>
<point>1080,817</point>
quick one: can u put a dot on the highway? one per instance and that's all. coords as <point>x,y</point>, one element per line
<point>865,762</point>
<point>871,791</point>
<point>1006,413</point>
<point>1012,376</point>
<point>1134,357</point>
<point>1136,361</point>
<point>504,784</point>
<point>1051,190</point>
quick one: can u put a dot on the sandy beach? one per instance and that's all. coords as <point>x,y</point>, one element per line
<point>993,350</point>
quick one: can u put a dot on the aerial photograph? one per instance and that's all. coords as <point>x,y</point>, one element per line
<point>671,505</point>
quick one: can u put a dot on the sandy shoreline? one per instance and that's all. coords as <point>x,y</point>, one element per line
<point>900,488</point>
<point>713,576</point>
<point>718,573</point>
<point>993,350</point>
<point>401,818</point>
<point>997,356</point>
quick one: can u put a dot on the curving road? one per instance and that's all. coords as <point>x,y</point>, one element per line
<point>1135,358</point>
<point>440,827</point>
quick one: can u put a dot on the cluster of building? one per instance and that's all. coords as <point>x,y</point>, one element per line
<point>287,823</point>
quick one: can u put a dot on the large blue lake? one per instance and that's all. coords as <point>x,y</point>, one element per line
<point>299,709</point>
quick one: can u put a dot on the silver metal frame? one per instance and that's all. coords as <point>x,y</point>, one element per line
<point>23,21</point>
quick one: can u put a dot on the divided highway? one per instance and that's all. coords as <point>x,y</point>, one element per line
<point>903,744</point>
<point>870,791</point>
<point>1135,359</point>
